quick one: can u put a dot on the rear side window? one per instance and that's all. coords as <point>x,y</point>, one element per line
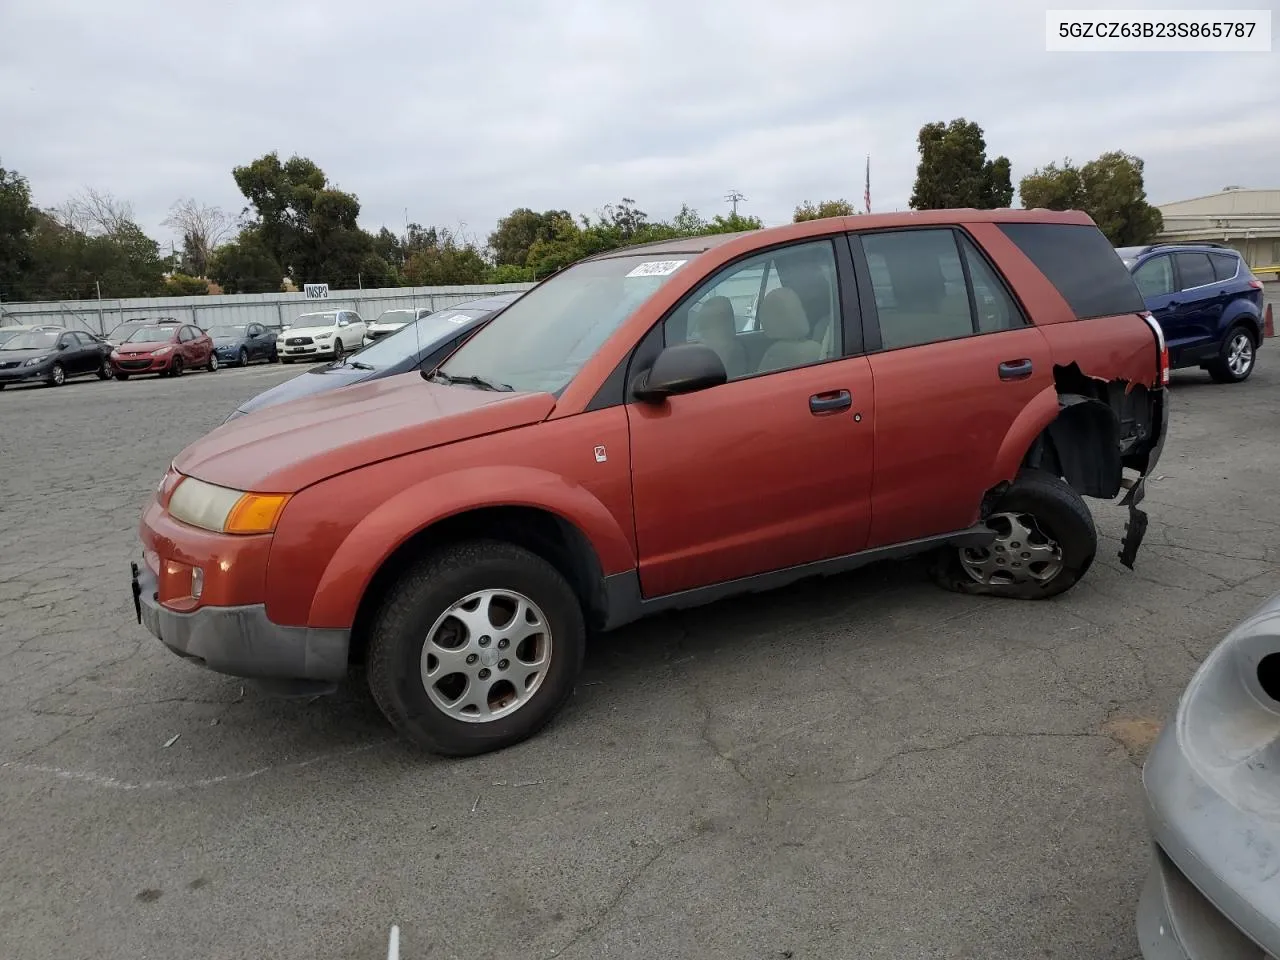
<point>1194,270</point>
<point>995,308</point>
<point>1225,267</point>
<point>1083,266</point>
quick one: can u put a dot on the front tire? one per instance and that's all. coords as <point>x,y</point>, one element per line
<point>1045,542</point>
<point>175,368</point>
<point>476,648</point>
<point>1236,358</point>
<point>243,359</point>
<point>338,353</point>
<point>57,375</point>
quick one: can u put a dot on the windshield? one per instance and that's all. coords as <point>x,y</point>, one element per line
<point>541,341</point>
<point>31,340</point>
<point>424,334</point>
<point>8,334</point>
<point>150,334</point>
<point>316,320</point>
<point>230,330</point>
<point>395,316</point>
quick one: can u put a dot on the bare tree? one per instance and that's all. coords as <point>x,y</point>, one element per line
<point>203,229</point>
<point>95,212</point>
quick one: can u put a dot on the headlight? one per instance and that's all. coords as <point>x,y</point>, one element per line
<point>324,336</point>
<point>115,354</point>
<point>224,510</point>
<point>34,360</point>
<point>162,352</point>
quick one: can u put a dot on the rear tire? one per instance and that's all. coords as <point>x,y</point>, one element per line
<point>418,611</point>
<point>1057,515</point>
<point>213,363</point>
<point>1237,356</point>
<point>105,372</point>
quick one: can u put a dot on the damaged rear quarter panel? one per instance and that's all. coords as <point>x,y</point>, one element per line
<point>1107,348</point>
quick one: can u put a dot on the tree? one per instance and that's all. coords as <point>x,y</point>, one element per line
<point>518,231</point>
<point>95,212</point>
<point>246,265</point>
<point>17,225</point>
<point>202,228</point>
<point>185,285</point>
<point>1110,189</point>
<point>827,208</point>
<point>446,263</point>
<point>954,170</point>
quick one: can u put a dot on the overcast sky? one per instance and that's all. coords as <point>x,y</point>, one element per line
<point>459,112</point>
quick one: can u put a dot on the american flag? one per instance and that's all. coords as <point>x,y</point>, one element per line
<point>866,197</point>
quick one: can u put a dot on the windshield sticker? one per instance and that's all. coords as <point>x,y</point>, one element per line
<point>657,268</point>
<point>457,318</point>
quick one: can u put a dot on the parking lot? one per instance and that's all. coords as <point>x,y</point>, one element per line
<point>861,767</point>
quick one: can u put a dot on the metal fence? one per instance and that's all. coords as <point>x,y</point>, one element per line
<point>273,310</point>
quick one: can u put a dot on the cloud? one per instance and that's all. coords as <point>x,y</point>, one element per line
<point>458,113</point>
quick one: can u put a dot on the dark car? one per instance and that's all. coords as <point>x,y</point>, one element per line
<point>1207,301</point>
<point>242,343</point>
<point>416,346</point>
<point>121,333</point>
<point>165,349</point>
<point>51,356</point>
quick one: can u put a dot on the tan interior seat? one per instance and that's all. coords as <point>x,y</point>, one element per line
<point>783,320</point>
<point>713,323</point>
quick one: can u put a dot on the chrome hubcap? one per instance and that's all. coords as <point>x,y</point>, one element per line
<point>1020,553</point>
<point>1240,354</point>
<point>213,362</point>
<point>58,375</point>
<point>486,656</point>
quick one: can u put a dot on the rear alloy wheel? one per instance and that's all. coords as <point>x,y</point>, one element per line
<point>338,352</point>
<point>175,368</point>
<point>476,648</point>
<point>1045,541</point>
<point>243,359</point>
<point>104,371</point>
<point>57,375</point>
<point>1237,357</point>
<point>213,363</point>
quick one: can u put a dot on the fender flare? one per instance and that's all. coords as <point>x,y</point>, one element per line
<point>1032,421</point>
<point>414,509</point>
<point>1242,314</point>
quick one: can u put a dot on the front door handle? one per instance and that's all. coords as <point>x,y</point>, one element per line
<point>830,402</point>
<point>1015,369</point>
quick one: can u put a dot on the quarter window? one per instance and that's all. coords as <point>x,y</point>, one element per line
<point>1155,277</point>
<point>1194,270</point>
<point>775,311</point>
<point>1225,267</point>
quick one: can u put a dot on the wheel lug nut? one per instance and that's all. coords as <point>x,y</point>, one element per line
<point>484,641</point>
<point>504,643</point>
<point>503,664</point>
<point>1016,545</point>
<point>472,658</point>
<point>484,674</point>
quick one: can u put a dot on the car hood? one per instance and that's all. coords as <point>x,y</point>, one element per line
<point>308,331</point>
<point>316,380</point>
<point>228,341</point>
<point>9,355</point>
<point>388,325</point>
<point>142,346</point>
<point>296,444</point>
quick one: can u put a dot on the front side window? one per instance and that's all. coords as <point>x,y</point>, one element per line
<point>774,311</point>
<point>918,283</point>
<point>1155,277</point>
<point>541,341</point>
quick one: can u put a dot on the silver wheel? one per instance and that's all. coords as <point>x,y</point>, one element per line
<point>1240,354</point>
<point>1020,553</point>
<point>486,656</point>
<point>213,363</point>
<point>57,376</point>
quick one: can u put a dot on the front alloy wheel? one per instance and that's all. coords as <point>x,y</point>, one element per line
<point>338,352</point>
<point>57,375</point>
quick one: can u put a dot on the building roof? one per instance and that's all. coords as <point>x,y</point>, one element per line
<point>1226,203</point>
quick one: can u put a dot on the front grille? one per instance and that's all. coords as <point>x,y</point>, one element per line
<point>10,364</point>
<point>133,364</point>
<point>375,334</point>
<point>298,341</point>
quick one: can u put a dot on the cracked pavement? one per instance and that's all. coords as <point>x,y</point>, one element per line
<point>859,767</point>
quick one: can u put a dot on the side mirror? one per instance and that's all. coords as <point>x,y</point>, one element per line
<point>681,368</point>
<point>63,345</point>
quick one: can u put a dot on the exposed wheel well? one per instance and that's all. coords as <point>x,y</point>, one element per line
<point>1251,323</point>
<point>548,535</point>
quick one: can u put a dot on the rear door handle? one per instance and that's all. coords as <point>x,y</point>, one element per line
<point>1015,369</point>
<point>830,402</point>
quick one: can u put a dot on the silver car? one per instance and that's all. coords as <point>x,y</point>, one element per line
<point>1212,782</point>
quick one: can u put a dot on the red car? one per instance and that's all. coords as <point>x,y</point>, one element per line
<point>658,427</point>
<point>165,349</point>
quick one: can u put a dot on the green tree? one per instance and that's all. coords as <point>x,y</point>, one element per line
<point>954,170</point>
<point>1110,189</point>
<point>17,226</point>
<point>448,262</point>
<point>820,211</point>
<point>518,231</point>
<point>733,223</point>
<point>246,265</point>
<point>185,285</point>
<point>508,273</point>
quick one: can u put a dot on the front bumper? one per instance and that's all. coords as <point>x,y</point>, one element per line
<point>140,365</point>
<point>39,371</point>
<point>240,640</point>
<point>307,350</point>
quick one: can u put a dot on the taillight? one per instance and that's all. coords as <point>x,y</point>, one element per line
<point>1154,324</point>
<point>1256,284</point>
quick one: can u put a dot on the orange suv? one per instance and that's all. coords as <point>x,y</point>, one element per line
<point>658,427</point>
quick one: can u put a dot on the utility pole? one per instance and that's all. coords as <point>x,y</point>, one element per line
<point>733,197</point>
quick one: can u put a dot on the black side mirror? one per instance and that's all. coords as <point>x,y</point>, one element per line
<point>681,368</point>
<point>63,345</point>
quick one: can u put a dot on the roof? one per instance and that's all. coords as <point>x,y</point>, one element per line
<point>1262,202</point>
<point>870,221</point>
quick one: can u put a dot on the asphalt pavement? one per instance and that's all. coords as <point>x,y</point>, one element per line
<point>864,767</point>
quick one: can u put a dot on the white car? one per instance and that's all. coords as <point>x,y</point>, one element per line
<point>329,335</point>
<point>389,321</point>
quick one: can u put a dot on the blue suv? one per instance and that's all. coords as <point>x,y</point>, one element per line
<point>1207,302</point>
